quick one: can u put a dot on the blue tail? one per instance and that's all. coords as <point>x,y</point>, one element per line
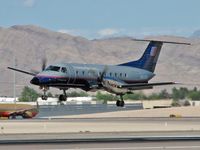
<point>149,58</point>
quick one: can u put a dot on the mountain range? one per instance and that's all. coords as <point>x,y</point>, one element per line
<point>29,44</point>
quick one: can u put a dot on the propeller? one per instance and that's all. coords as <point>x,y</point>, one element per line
<point>32,72</point>
<point>100,78</point>
<point>43,66</point>
<point>44,63</point>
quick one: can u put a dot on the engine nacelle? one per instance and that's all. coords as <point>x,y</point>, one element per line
<point>112,86</point>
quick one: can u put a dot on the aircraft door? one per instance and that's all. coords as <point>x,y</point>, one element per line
<point>72,75</point>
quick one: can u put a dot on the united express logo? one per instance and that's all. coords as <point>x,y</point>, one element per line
<point>153,51</point>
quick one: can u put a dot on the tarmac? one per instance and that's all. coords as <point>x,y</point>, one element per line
<point>118,121</point>
<point>78,109</point>
<point>109,145</point>
<point>98,125</point>
<point>190,111</point>
<point>105,131</point>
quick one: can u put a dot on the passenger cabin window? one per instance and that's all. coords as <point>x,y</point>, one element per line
<point>64,70</point>
<point>53,68</point>
<point>125,75</point>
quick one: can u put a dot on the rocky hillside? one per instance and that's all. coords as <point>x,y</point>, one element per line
<point>30,44</point>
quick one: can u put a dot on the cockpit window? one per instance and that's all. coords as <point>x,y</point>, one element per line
<point>53,68</point>
<point>64,70</point>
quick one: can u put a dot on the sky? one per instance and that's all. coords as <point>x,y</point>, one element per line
<point>105,18</point>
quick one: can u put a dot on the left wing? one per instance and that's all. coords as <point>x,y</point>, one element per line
<point>144,85</point>
<point>22,71</point>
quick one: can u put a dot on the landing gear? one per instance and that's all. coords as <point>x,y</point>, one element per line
<point>44,97</point>
<point>45,89</point>
<point>120,103</point>
<point>63,97</point>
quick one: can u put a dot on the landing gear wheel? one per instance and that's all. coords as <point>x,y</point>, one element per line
<point>44,97</point>
<point>62,98</point>
<point>120,103</point>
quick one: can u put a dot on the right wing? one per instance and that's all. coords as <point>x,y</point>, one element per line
<point>144,85</point>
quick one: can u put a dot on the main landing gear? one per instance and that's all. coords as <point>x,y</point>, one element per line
<point>63,97</point>
<point>120,103</point>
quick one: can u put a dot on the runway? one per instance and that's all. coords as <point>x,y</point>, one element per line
<point>77,125</point>
<point>190,145</point>
<point>75,109</point>
<point>105,144</point>
<point>101,133</point>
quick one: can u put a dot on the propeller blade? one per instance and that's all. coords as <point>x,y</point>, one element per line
<point>98,76</point>
<point>100,79</point>
<point>44,62</point>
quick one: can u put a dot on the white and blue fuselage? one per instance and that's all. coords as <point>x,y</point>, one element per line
<point>85,76</point>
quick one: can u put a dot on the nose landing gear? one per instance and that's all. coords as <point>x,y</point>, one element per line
<point>44,89</point>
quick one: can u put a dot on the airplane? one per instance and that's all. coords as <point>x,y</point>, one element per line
<point>118,79</point>
<point>11,111</point>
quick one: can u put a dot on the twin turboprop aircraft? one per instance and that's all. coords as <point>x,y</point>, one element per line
<point>117,79</point>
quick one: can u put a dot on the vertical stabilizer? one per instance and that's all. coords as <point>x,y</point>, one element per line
<point>149,59</point>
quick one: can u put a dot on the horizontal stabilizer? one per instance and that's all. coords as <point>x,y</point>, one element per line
<point>170,42</point>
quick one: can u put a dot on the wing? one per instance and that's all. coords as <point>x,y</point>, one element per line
<point>145,85</point>
<point>22,71</point>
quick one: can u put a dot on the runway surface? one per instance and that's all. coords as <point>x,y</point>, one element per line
<point>77,125</point>
<point>183,120</point>
<point>75,109</point>
<point>112,133</point>
<point>101,134</point>
<point>124,145</point>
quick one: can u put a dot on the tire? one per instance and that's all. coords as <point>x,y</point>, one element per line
<point>121,103</point>
<point>44,97</point>
<point>118,103</point>
<point>62,98</point>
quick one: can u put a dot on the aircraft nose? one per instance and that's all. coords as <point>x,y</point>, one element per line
<point>35,81</point>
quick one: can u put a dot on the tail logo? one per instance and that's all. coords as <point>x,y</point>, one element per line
<point>153,51</point>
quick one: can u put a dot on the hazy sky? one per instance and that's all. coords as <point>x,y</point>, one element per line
<point>102,18</point>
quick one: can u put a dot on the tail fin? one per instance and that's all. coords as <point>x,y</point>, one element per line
<point>150,57</point>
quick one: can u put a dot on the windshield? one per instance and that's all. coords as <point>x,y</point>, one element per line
<point>53,68</point>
